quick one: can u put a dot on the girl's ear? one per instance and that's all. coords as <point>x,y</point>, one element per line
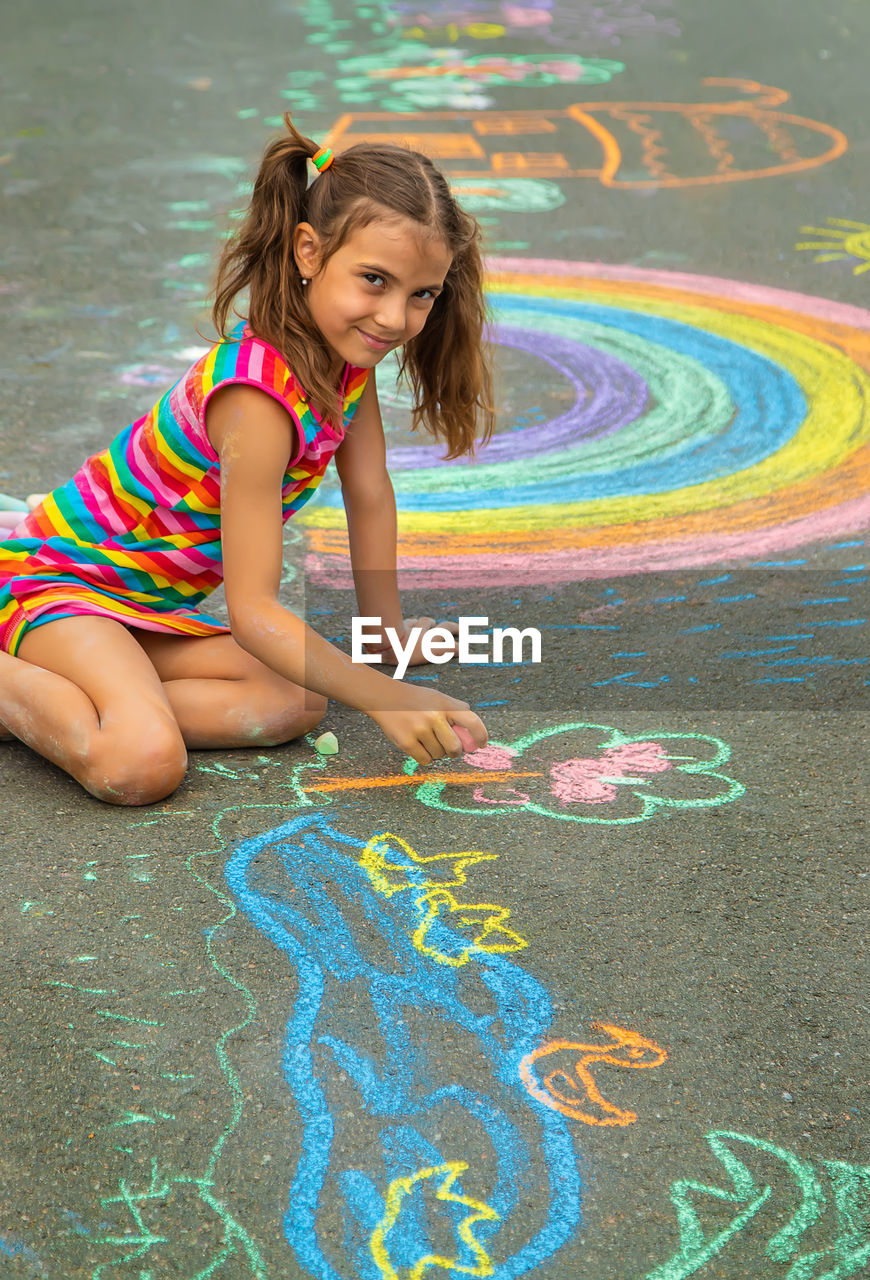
<point>307,249</point>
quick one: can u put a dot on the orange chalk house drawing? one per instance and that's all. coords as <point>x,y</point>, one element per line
<point>558,1073</point>
<point>627,144</point>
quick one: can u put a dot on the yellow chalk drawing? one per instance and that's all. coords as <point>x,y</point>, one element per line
<point>376,861</point>
<point>392,866</point>
<point>486,917</point>
<point>844,239</point>
<point>399,1189</point>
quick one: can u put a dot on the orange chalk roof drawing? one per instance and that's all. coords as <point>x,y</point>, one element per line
<point>629,144</point>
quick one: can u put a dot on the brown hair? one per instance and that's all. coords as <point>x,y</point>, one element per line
<point>446,362</point>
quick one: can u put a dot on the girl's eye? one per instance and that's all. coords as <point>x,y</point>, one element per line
<point>373,278</point>
<point>428,295</point>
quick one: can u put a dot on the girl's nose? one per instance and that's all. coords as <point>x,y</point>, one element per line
<point>391,314</point>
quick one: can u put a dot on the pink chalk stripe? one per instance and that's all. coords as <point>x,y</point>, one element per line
<point>761,295</point>
<point>602,562</point>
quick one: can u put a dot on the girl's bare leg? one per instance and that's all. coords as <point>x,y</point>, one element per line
<point>90,696</point>
<point>84,695</point>
<point>223,697</point>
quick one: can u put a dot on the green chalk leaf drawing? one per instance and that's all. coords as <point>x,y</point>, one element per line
<point>849,1254</point>
<point>235,1242</point>
<point>161,1211</point>
<point>605,781</point>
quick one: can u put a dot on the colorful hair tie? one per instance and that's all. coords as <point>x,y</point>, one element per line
<point>322,159</point>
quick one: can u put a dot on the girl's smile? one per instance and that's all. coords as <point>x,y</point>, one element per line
<point>376,344</point>
<point>376,291</point>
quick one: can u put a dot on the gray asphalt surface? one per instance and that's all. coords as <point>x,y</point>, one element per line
<point>239,1039</point>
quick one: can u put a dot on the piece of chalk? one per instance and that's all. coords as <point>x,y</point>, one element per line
<point>468,743</point>
<point>326,744</point>
<point>8,503</point>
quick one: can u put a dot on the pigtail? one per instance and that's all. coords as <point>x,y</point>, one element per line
<point>260,251</point>
<point>259,257</point>
<point>447,362</point>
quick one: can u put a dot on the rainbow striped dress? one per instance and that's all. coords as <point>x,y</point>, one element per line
<point>135,534</point>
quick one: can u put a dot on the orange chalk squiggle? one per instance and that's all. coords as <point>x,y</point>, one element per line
<point>577,1094</point>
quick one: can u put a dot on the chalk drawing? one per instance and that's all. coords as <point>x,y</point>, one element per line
<point>486,921</point>
<point>607,769</point>
<point>519,70</point>
<point>510,195</point>
<point>610,22</point>
<point>448,17</point>
<point>843,239</point>
<point>413,76</point>
<point>712,419</point>
<point>453,31</point>
<point>150,1210</point>
<point>569,1086</point>
<point>137,1240</point>
<point>146,375</point>
<point>623,145</point>
<point>21,1252</point>
<point>747,1191</point>
<point>606,23</point>
<point>308,887</point>
<point>399,1190</point>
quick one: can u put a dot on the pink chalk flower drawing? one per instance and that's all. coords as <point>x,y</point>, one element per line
<point>589,773</point>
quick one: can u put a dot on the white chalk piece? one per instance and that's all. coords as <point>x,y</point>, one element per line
<point>468,743</point>
<point>326,744</point>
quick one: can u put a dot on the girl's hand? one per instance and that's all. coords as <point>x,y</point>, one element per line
<point>420,724</point>
<point>417,657</point>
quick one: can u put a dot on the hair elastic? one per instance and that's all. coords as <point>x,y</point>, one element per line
<point>322,159</point>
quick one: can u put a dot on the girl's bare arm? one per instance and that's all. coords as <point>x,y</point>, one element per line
<point>370,506</point>
<point>254,438</point>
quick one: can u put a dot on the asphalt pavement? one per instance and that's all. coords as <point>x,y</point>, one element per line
<point>592,1002</point>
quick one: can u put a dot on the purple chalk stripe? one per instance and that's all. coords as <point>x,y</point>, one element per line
<point>610,394</point>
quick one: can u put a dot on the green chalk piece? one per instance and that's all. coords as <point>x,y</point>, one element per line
<point>12,504</point>
<point>326,744</point>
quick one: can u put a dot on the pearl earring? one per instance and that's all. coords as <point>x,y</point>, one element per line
<point>303,280</point>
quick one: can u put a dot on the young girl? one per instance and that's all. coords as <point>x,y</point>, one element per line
<point>106,666</point>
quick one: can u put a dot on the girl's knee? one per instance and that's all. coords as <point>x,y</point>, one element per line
<point>138,773</point>
<point>274,716</point>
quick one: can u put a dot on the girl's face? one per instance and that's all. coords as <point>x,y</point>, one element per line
<point>375,292</point>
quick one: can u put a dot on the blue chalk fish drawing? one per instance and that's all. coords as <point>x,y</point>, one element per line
<point>399,1064</point>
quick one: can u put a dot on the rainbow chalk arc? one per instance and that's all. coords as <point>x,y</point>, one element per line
<point>712,420</point>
